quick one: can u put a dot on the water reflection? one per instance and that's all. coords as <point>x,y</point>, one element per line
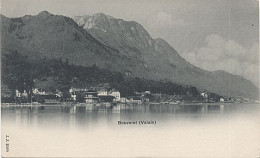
<point>83,115</point>
<point>196,130</point>
<point>124,108</point>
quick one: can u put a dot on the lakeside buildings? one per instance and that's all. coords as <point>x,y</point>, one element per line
<point>94,95</point>
<point>102,94</point>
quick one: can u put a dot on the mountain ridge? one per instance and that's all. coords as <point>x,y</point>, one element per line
<point>167,56</point>
<point>45,33</point>
<point>113,44</point>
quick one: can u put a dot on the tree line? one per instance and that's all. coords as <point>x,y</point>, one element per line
<point>21,73</point>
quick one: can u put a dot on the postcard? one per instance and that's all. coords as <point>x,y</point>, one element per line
<point>130,78</point>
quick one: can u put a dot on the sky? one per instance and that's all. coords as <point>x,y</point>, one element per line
<point>211,34</point>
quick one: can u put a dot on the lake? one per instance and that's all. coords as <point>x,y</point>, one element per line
<point>195,130</point>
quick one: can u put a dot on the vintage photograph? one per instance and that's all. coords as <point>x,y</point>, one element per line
<point>130,78</point>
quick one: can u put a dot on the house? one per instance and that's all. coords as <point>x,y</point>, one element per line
<point>6,92</point>
<point>73,96</point>
<point>128,74</point>
<point>19,94</point>
<point>38,91</point>
<point>147,92</point>
<point>106,98</point>
<point>47,98</point>
<point>91,96</point>
<point>136,100</point>
<point>204,95</point>
<point>102,92</point>
<point>221,100</point>
<point>75,91</point>
<point>115,94</point>
<point>124,100</point>
<point>104,95</point>
<point>51,99</point>
<point>7,95</point>
<point>147,96</point>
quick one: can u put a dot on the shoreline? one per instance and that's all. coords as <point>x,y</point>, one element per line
<point>111,104</point>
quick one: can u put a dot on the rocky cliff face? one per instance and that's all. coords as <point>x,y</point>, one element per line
<point>127,36</point>
<point>132,40</point>
<point>113,44</point>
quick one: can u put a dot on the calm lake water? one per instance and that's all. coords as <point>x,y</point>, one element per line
<point>202,130</point>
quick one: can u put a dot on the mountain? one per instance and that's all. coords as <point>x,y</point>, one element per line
<point>53,36</point>
<point>113,44</point>
<point>160,58</point>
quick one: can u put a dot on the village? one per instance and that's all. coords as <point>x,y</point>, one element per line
<point>101,94</point>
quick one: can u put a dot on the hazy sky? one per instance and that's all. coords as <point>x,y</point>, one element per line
<point>211,34</point>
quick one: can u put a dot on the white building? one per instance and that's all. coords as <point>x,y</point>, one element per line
<point>138,101</point>
<point>221,100</point>
<point>73,96</point>
<point>18,94</point>
<point>73,89</point>
<point>73,92</point>
<point>124,100</point>
<point>116,94</point>
<point>204,95</point>
<point>102,92</point>
<point>38,91</point>
<point>147,92</point>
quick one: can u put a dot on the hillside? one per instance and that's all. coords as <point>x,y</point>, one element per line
<point>112,44</point>
<point>19,72</point>
<point>162,60</point>
<point>52,36</point>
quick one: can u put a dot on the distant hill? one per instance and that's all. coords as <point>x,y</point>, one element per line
<point>112,44</point>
